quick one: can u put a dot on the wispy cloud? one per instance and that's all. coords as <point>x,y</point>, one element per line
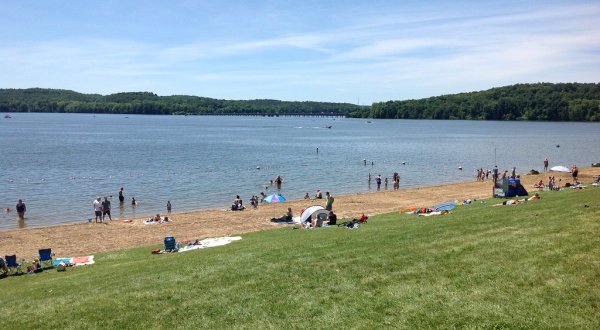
<point>381,55</point>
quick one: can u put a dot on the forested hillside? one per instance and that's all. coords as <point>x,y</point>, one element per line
<point>543,101</point>
<point>55,100</point>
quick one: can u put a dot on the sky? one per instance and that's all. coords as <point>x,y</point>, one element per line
<point>357,52</point>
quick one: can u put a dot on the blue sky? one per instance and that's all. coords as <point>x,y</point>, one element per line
<point>334,51</point>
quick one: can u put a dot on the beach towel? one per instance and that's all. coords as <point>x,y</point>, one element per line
<point>76,261</point>
<point>449,206</point>
<point>209,242</point>
<point>430,214</point>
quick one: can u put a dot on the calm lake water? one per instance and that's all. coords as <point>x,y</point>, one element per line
<point>58,163</point>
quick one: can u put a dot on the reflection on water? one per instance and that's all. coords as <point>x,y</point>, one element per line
<point>201,162</point>
<point>21,222</point>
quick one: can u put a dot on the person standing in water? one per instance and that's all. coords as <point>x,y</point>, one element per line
<point>546,164</point>
<point>169,207</point>
<point>21,208</point>
<point>121,197</point>
<point>278,181</point>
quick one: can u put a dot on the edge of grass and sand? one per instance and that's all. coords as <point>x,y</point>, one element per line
<point>88,238</point>
<point>532,265</point>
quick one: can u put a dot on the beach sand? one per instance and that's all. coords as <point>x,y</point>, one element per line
<point>89,238</point>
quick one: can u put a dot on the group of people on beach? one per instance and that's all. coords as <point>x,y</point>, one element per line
<point>379,180</point>
<point>102,208</point>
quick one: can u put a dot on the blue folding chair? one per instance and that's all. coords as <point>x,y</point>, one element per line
<point>46,258</point>
<point>14,268</point>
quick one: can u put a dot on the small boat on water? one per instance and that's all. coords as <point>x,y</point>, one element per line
<point>595,164</point>
<point>7,116</point>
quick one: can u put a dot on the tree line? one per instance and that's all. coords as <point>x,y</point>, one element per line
<point>65,101</point>
<point>541,101</point>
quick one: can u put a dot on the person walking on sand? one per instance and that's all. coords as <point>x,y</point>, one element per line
<point>21,208</point>
<point>169,207</point>
<point>98,209</point>
<point>106,209</point>
<point>328,201</point>
<point>546,164</point>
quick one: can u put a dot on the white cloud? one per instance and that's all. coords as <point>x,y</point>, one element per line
<point>386,56</point>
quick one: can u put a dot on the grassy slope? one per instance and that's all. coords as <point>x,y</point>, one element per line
<point>535,265</point>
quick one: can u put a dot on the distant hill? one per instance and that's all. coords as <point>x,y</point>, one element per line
<point>58,100</point>
<point>542,101</point>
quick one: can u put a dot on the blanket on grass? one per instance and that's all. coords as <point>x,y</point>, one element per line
<point>209,242</point>
<point>75,261</point>
<point>201,244</point>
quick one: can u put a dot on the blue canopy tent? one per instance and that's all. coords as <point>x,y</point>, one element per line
<point>513,187</point>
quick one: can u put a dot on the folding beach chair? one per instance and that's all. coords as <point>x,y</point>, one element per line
<point>46,258</point>
<point>14,268</point>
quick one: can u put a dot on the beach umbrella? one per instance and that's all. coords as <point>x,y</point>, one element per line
<point>274,198</point>
<point>560,169</point>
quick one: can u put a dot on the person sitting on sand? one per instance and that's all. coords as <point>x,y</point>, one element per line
<point>539,185</point>
<point>319,195</point>
<point>237,204</point>
<point>156,218</point>
<point>254,201</point>
<point>287,217</point>
<point>306,196</point>
<point>332,219</point>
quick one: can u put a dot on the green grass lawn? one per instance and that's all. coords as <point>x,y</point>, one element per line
<point>534,265</point>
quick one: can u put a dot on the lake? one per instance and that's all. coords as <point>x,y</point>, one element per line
<point>58,163</point>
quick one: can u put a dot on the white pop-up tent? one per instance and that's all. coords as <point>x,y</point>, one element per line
<point>560,169</point>
<point>315,211</point>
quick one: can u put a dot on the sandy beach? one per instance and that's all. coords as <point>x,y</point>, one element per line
<point>90,238</point>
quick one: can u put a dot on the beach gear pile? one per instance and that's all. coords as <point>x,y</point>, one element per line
<point>354,223</point>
